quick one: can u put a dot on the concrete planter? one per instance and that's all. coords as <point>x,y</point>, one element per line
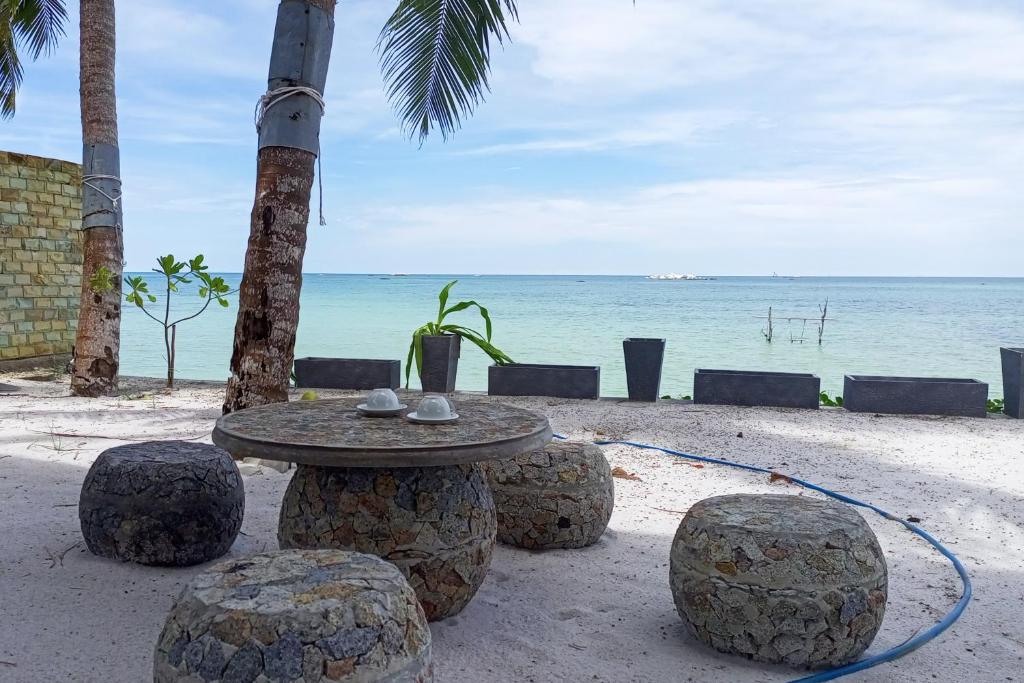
<point>562,381</point>
<point>1013,381</point>
<point>915,395</point>
<point>347,373</point>
<point>440,363</point>
<point>756,388</point>
<point>643,367</point>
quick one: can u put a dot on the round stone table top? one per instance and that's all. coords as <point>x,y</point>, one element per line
<point>332,433</point>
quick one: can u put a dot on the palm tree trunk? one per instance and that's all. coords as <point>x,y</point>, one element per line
<point>97,345</point>
<point>268,302</point>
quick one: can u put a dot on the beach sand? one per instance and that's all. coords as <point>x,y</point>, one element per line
<point>603,613</point>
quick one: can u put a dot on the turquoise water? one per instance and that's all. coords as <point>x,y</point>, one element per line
<point>897,326</point>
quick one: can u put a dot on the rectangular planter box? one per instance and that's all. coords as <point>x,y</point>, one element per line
<point>1013,381</point>
<point>562,381</point>
<point>643,367</point>
<point>756,388</point>
<point>915,395</point>
<point>347,373</point>
<point>440,363</point>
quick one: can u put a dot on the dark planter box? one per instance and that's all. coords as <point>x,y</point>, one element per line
<point>1013,381</point>
<point>347,373</point>
<point>755,388</point>
<point>440,363</point>
<point>562,381</point>
<point>643,367</point>
<point>915,395</point>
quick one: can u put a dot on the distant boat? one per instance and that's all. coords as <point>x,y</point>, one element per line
<point>678,276</point>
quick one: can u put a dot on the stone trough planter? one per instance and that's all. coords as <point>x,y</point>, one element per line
<point>347,373</point>
<point>914,395</point>
<point>1013,381</point>
<point>561,381</point>
<point>755,388</point>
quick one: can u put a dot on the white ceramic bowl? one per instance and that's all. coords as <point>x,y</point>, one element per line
<point>382,399</point>
<point>434,407</point>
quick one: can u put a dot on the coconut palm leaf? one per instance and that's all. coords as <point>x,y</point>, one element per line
<point>435,57</point>
<point>36,25</point>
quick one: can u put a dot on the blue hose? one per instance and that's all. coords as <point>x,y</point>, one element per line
<point>892,653</point>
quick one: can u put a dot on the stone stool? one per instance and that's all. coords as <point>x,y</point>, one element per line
<point>780,579</point>
<point>174,503</point>
<point>558,497</point>
<point>296,616</point>
<point>436,524</point>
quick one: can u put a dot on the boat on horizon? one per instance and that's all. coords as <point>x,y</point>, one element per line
<point>679,276</point>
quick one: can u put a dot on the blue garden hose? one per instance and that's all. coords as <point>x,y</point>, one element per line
<point>892,653</point>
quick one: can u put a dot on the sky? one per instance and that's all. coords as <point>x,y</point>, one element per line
<point>847,137</point>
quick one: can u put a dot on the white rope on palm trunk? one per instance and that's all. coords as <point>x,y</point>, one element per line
<point>278,95</point>
<point>115,199</point>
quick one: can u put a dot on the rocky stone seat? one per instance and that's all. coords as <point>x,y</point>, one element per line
<point>778,578</point>
<point>558,497</point>
<point>301,616</point>
<point>174,503</point>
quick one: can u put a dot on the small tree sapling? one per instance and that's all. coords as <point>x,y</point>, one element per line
<point>176,273</point>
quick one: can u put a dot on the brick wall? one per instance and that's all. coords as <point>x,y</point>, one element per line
<point>40,255</point>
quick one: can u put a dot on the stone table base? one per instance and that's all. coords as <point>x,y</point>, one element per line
<point>436,524</point>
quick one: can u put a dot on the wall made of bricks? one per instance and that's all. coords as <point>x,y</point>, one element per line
<point>40,255</point>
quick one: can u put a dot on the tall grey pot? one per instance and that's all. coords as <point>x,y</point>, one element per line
<point>643,367</point>
<point>440,363</point>
<point>1013,381</point>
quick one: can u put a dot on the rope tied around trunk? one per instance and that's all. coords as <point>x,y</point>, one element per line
<point>278,95</point>
<point>115,199</point>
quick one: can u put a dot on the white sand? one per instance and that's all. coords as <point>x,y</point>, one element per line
<point>600,614</point>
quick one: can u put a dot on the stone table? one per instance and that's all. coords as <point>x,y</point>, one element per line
<point>412,494</point>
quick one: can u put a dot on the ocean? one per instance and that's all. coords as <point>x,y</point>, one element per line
<point>940,327</point>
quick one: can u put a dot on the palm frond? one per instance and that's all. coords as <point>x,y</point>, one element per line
<point>435,58</point>
<point>35,24</point>
<point>40,23</point>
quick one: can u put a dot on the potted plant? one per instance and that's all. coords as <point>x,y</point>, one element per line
<point>643,367</point>
<point>436,345</point>
<point>1013,381</point>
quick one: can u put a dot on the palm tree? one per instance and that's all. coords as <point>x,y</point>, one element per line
<point>34,24</point>
<point>435,58</point>
<point>97,343</point>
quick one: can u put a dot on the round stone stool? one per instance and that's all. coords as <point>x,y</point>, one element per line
<point>436,524</point>
<point>296,616</point>
<point>558,497</point>
<point>781,579</point>
<point>174,503</point>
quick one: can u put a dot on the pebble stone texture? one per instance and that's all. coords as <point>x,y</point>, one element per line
<point>174,503</point>
<point>560,496</point>
<point>780,579</point>
<point>332,433</point>
<point>436,524</point>
<point>296,616</point>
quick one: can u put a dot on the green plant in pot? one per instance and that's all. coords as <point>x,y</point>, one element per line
<point>436,345</point>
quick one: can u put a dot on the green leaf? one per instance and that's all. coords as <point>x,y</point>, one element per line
<point>435,59</point>
<point>223,302</point>
<point>443,299</point>
<point>152,299</point>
